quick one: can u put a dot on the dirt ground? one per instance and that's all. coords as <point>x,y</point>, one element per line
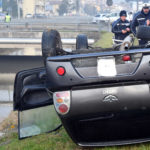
<point>11,122</point>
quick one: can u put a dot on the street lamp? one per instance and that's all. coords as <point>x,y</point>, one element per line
<point>137,5</point>
<point>18,7</point>
<point>77,6</point>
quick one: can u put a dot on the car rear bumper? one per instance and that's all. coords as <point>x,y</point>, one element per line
<point>77,76</point>
<point>117,114</point>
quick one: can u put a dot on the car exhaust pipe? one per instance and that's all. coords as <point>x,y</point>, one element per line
<point>127,43</point>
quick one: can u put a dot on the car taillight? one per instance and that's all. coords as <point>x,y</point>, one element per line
<point>62,102</point>
<point>63,108</point>
<point>61,71</point>
<point>126,58</point>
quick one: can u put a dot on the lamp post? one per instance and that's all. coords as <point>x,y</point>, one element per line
<point>18,7</point>
<point>137,4</point>
<point>77,6</point>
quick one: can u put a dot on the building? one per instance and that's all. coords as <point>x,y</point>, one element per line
<point>33,7</point>
<point>98,4</point>
<point>28,7</point>
<point>39,6</point>
<point>52,6</point>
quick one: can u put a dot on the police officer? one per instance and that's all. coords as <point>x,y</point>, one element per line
<point>140,18</point>
<point>7,18</point>
<point>121,27</point>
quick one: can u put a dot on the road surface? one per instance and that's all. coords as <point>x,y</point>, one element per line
<point>5,110</point>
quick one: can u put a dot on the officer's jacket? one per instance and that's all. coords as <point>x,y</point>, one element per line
<point>139,19</point>
<point>117,28</point>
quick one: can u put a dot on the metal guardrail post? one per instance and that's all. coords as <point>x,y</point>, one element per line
<point>109,26</point>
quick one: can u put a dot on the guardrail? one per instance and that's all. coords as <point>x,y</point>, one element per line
<point>37,41</point>
<point>59,23</point>
<point>31,27</point>
<point>12,43</point>
<point>57,19</point>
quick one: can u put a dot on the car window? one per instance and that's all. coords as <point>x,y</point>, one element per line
<point>97,16</point>
<point>36,121</point>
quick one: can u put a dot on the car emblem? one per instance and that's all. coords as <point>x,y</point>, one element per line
<point>110,98</point>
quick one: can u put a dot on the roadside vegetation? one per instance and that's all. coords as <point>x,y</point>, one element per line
<point>54,141</point>
<point>105,40</point>
<point>57,140</point>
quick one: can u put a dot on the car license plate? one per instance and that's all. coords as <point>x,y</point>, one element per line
<point>106,66</point>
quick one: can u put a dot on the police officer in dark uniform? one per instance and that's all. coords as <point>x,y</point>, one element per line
<point>140,18</point>
<point>121,27</point>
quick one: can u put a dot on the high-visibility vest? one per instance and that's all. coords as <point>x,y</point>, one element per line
<point>8,18</point>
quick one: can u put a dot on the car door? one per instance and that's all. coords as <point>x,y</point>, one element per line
<point>34,103</point>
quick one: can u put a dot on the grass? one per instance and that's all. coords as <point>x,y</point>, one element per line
<point>57,140</point>
<point>54,141</point>
<point>105,40</point>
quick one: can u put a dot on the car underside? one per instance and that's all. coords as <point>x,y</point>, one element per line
<point>101,96</point>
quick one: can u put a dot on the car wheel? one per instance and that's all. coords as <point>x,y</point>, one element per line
<point>51,43</point>
<point>81,42</point>
<point>143,32</point>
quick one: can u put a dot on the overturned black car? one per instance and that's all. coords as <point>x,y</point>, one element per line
<point>101,96</point>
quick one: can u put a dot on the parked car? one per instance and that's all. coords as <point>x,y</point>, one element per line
<point>29,16</point>
<point>113,17</point>
<point>105,17</point>
<point>101,96</point>
<point>110,17</point>
<point>98,18</point>
<point>39,16</point>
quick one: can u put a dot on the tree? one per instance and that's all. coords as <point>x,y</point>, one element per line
<point>63,8</point>
<point>77,6</point>
<point>90,10</point>
<point>109,2</point>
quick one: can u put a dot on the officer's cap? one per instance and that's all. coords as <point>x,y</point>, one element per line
<point>146,6</point>
<point>123,13</point>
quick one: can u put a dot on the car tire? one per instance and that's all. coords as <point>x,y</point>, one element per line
<point>81,42</point>
<point>143,32</point>
<point>51,43</point>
